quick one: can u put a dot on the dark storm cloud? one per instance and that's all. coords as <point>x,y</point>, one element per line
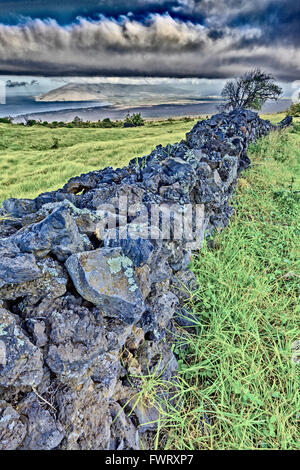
<point>279,21</point>
<point>68,10</point>
<point>205,38</point>
<point>16,84</point>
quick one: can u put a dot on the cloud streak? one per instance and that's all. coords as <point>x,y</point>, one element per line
<point>159,45</point>
<point>18,84</point>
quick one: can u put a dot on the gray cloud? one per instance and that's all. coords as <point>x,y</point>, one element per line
<point>221,10</point>
<point>18,84</point>
<point>279,19</point>
<point>158,46</point>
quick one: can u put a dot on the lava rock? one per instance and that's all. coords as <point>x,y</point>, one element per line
<point>16,267</point>
<point>137,249</point>
<point>19,207</point>
<point>84,414</point>
<point>57,234</point>
<point>77,340</point>
<point>51,283</point>
<point>106,278</point>
<point>22,362</point>
<point>43,431</point>
<point>124,435</point>
<point>12,429</point>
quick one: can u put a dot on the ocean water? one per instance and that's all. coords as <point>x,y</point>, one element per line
<point>20,106</point>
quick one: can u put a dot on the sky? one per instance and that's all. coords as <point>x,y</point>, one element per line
<point>206,39</point>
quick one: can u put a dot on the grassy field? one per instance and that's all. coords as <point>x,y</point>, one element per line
<point>238,380</point>
<point>29,165</point>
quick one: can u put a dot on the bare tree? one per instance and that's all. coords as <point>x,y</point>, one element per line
<point>250,90</point>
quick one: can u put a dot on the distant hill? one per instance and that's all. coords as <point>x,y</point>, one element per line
<point>121,95</point>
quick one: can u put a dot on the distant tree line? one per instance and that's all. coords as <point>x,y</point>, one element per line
<point>131,120</point>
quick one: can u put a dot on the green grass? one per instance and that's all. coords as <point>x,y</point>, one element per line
<point>238,368</point>
<point>29,166</point>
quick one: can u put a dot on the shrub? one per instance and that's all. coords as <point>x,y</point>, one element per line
<point>134,120</point>
<point>294,110</point>
<point>106,123</point>
<point>55,144</point>
<point>6,120</point>
<point>31,122</point>
<point>77,121</point>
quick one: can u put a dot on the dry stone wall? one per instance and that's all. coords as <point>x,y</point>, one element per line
<point>91,294</point>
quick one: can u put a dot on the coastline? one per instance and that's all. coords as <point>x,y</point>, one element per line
<point>167,110</point>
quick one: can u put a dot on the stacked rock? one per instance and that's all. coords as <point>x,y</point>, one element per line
<point>91,288</point>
